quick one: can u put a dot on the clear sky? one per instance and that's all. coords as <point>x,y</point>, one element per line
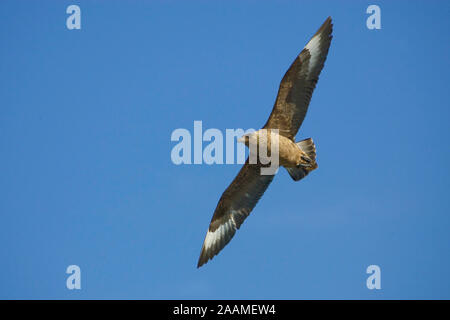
<point>87,178</point>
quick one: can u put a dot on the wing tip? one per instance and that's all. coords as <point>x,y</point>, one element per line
<point>200,263</point>
<point>216,240</point>
<point>206,255</point>
<point>204,258</point>
<point>327,27</point>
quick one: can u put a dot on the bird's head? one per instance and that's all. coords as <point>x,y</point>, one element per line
<point>248,138</point>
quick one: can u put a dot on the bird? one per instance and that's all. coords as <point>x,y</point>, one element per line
<point>299,158</point>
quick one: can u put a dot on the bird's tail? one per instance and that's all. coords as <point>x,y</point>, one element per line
<point>298,173</point>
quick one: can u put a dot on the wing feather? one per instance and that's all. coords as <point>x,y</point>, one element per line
<point>298,84</point>
<point>233,208</point>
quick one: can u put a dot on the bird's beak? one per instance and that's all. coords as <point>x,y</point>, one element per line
<point>241,139</point>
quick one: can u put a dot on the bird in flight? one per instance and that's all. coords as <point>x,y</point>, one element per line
<point>299,158</point>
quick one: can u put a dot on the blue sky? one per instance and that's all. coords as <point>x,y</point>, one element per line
<point>87,179</point>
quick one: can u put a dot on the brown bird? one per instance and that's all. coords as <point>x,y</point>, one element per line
<point>299,158</point>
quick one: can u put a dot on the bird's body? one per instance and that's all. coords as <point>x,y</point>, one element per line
<point>299,158</point>
<point>290,154</point>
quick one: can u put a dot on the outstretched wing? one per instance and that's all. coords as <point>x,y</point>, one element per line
<point>299,82</point>
<point>234,206</point>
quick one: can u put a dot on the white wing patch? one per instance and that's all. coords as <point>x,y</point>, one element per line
<point>217,235</point>
<point>313,47</point>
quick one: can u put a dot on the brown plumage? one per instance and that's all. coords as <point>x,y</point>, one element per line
<point>299,158</point>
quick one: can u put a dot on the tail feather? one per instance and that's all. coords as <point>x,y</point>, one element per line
<point>298,173</point>
<point>308,147</point>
